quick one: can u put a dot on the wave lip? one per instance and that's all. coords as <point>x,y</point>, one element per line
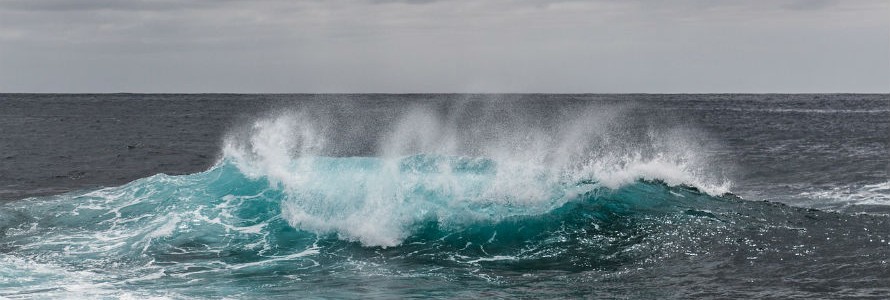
<point>455,171</point>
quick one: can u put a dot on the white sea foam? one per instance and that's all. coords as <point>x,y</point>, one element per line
<point>377,200</point>
<point>25,278</point>
<point>870,194</point>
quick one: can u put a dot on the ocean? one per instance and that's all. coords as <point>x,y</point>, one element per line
<point>212,196</point>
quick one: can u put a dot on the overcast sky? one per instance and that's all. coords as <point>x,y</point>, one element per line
<point>598,46</point>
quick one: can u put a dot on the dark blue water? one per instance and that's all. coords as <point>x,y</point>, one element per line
<point>457,196</point>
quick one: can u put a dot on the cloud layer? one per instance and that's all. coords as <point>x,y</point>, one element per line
<point>444,46</point>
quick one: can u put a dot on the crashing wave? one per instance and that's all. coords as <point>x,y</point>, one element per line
<point>573,194</point>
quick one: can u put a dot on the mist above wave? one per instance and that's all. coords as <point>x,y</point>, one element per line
<point>468,163</point>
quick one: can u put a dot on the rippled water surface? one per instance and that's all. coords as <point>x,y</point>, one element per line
<point>390,196</point>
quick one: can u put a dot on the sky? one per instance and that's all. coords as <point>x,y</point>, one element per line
<point>447,46</point>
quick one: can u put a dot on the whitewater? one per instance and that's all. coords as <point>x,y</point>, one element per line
<point>468,199</point>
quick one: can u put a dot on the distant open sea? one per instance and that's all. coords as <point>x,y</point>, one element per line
<point>444,195</point>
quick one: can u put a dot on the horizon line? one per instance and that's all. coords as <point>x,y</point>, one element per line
<point>444,93</point>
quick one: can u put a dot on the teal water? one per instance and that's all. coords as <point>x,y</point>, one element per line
<point>222,233</point>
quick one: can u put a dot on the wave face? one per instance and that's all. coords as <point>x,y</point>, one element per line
<point>444,207</point>
<point>201,231</point>
<point>458,177</point>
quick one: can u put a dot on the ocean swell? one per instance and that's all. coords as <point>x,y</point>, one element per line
<point>577,194</point>
<point>426,168</point>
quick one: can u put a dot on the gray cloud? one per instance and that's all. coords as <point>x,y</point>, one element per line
<point>810,4</point>
<point>92,5</point>
<point>444,46</point>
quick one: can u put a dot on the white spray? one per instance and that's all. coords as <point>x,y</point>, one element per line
<point>377,201</point>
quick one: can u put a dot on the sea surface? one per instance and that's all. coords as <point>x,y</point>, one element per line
<point>449,196</point>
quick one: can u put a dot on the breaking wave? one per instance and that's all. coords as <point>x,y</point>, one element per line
<point>440,192</point>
